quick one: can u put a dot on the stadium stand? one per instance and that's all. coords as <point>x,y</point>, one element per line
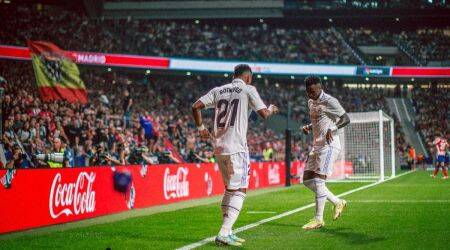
<point>433,114</point>
<point>222,40</point>
<point>101,123</point>
<point>91,131</point>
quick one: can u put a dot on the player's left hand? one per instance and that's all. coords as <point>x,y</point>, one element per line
<point>329,136</point>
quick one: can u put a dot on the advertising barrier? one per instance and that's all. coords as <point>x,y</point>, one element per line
<point>40,197</point>
<point>214,66</point>
<point>263,67</point>
<point>420,71</point>
<point>133,61</point>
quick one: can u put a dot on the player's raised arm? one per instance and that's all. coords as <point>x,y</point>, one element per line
<point>267,112</point>
<point>335,108</point>
<point>343,121</point>
<point>205,101</point>
<point>258,105</point>
<point>197,113</point>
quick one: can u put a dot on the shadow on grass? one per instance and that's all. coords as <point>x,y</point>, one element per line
<point>213,245</point>
<point>280,224</point>
<point>352,237</point>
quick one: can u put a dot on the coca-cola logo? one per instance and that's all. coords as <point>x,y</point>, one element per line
<point>256,178</point>
<point>72,198</point>
<point>209,184</point>
<point>176,185</point>
<point>132,197</point>
<point>143,170</point>
<point>274,174</point>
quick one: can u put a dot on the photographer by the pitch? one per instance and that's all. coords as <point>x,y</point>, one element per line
<point>59,157</point>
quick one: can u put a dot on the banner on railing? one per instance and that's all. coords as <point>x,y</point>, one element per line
<point>104,59</point>
<point>39,197</point>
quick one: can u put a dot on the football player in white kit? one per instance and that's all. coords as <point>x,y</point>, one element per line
<point>327,116</point>
<point>233,103</point>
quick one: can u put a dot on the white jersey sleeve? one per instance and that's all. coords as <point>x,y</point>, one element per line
<point>209,99</point>
<point>255,101</point>
<point>334,107</point>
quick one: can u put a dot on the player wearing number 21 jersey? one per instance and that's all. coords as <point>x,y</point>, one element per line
<point>232,103</point>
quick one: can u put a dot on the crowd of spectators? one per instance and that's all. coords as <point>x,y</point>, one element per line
<point>432,113</point>
<point>210,39</point>
<point>261,42</point>
<point>113,128</point>
<point>430,44</point>
<point>364,36</point>
<point>425,44</point>
<point>132,118</point>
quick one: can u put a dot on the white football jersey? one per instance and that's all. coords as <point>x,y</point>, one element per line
<point>232,103</point>
<point>324,112</point>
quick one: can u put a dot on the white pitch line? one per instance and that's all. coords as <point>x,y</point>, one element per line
<point>399,201</point>
<point>287,213</point>
<point>261,212</point>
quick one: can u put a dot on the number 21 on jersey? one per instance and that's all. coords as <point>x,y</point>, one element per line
<point>224,106</point>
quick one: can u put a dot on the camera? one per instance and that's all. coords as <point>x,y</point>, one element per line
<point>136,155</point>
<point>55,157</point>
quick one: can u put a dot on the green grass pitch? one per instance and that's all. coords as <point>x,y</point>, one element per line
<point>410,212</point>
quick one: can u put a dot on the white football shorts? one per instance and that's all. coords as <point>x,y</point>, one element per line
<point>321,160</point>
<point>235,170</point>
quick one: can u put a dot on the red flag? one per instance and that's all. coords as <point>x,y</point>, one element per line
<point>168,145</point>
<point>57,76</point>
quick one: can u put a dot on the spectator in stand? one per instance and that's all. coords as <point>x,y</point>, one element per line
<point>127,104</point>
<point>268,152</point>
<point>15,159</point>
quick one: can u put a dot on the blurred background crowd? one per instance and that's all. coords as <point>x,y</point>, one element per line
<point>131,121</point>
<point>135,119</point>
<point>222,39</point>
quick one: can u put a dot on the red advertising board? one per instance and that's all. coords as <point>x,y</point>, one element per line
<point>41,197</point>
<point>135,61</point>
<point>420,72</point>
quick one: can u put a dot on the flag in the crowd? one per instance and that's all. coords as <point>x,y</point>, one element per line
<point>57,76</point>
<point>169,146</point>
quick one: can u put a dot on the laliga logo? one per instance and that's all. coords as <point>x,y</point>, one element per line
<point>177,185</point>
<point>274,174</point>
<point>75,198</point>
<point>209,184</point>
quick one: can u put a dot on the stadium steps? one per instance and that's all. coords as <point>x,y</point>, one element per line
<point>357,53</point>
<point>408,53</point>
<point>405,113</point>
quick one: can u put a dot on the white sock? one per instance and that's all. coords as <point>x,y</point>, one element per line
<point>320,184</point>
<point>231,206</point>
<point>321,198</point>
